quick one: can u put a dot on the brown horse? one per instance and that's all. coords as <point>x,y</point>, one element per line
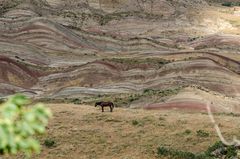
<point>105,104</point>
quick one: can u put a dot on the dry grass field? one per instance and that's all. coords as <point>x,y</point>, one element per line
<point>84,132</point>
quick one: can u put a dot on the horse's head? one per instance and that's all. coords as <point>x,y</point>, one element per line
<point>97,103</point>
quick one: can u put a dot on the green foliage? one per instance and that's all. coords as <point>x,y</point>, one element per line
<point>176,154</point>
<point>187,132</point>
<point>49,143</point>
<point>227,4</point>
<point>231,152</point>
<point>162,151</point>
<point>139,122</point>
<point>161,93</point>
<point>19,123</point>
<point>230,4</point>
<point>76,101</point>
<point>135,122</point>
<point>202,133</point>
<point>227,151</point>
<point>1,101</point>
<point>161,118</point>
<point>217,150</point>
<point>214,147</point>
<point>154,62</point>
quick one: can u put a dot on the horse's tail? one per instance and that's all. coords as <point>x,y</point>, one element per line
<point>112,105</point>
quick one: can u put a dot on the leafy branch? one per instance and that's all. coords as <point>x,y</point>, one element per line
<point>19,123</point>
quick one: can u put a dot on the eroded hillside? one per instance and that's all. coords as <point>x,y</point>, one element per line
<point>151,54</point>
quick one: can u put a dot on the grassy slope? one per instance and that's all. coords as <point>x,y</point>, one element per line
<point>84,132</point>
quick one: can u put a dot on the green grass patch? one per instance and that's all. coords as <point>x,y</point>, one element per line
<point>202,133</point>
<point>137,123</point>
<point>230,4</point>
<point>134,62</point>
<point>119,100</point>
<point>176,154</point>
<point>217,150</point>
<point>187,132</point>
<point>49,143</point>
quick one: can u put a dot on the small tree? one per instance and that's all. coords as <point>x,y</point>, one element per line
<point>19,123</point>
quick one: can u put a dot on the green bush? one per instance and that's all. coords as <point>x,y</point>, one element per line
<point>146,91</point>
<point>227,4</point>
<point>1,101</point>
<point>214,147</point>
<point>19,123</point>
<point>202,133</point>
<point>138,123</point>
<point>187,131</point>
<point>161,118</point>
<point>231,152</point>
<point>227,152</point>
<point>230,4</point>
<point>49,143</point>
<point>162,151</point>
<point>76,101</point>
<point>135,122</point>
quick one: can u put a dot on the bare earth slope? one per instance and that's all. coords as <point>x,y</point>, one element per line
<point>139,54</point>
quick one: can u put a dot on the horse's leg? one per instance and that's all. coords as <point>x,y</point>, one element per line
<point>111,109</point>
<point>102,109</point>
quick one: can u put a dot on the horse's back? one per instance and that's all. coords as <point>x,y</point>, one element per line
<point>106,103</point>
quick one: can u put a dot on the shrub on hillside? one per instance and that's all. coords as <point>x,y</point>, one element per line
<point>230,4</point>
<point>217,150</point>
<point>227,4</point>
<point>202,133</point>
<point>49,143</point>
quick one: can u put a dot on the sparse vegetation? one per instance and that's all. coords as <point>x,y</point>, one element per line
<point>163,151</point>
<point>2,100</point>
<point>76,101</point>
<point>162,93</point>
<point>120,100</point>
<point>147,93</point>
<point>49,143</point>
<point>125,130</point>
<point>217,150</point>
<point>161,118</point>
<point>228,114</point>
<point>135,122</point>
<point>230,4</point>
<point>187,132</point>
<point>132,63</point>
<point>202,133</point>
<point>104,19</point>
<point>8,4</point>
